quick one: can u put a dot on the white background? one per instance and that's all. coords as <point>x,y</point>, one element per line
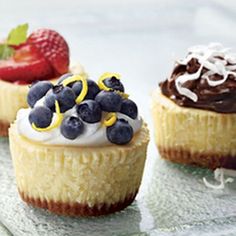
<point>138,39</point>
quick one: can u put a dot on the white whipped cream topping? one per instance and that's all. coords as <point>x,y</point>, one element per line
<point>215,58</point>
<point>93,134</point>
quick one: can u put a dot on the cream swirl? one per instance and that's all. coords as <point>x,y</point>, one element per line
<point>93,135</point>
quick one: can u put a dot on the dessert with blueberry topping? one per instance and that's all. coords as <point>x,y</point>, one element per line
<point>194,110</point>
<point>42,55</point>
<point>84,142</point>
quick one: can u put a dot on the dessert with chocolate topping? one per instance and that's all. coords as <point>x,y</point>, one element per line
<point>194,110</point>
<point>80,147</point>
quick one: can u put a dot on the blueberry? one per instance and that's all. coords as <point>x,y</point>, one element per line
<point>64,95</point>
<point>120,133</point>
<point>109,101</point>
<point>37,91</point>
<point>129,108</point>
<point>114,84</point>
<point>63,77</point>
<point>77,88</point>
<point>72,127</point>
<point>41,116</point>
<point>93,89</point>
<point>89,111</point>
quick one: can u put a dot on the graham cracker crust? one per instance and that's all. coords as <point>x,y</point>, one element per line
<point>4,126</point>
<point>77,209</point>
<point>208,160</point>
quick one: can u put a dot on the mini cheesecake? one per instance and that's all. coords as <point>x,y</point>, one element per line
<point>43,55</point>
<point>16,95</point>
<point>80,148</point>
<point>194,110</point>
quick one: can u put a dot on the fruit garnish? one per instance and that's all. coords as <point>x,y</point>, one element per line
<point>63,77</point>
<point>129,108</point>
<point>104,76</point>
<point>84,90</point>
<point>111,82</point>
<point>114,84</point>
<point>18,35</point>
<point>89,111</point>
<point>5,51</point>
<point>55,124</point>
<point>64,95</point>
<point>37,91</point>
<point>77,86</point>
<point>109,119</point>
<point>123,95</point>
<point>109,101</point>
<point>40,117</point>
<point>15,37</point>
<point>72,127</point>
<point>93,89</point>
<point>53,47</point>
<point>41,56</point>
<point>120,133</point>
<point>84,104</point>
<point>25,65</point>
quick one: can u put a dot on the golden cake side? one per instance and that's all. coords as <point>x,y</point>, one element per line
<point>13,97</point>
<point>84,178</point>
<point>193,136</point>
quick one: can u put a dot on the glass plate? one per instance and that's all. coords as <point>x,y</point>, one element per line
<point>172,201</point>
<point>4,231</point>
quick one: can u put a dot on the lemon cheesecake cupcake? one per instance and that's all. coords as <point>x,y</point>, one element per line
<point>194,110</point>
<point>43,55</point>
<point>80,149</point>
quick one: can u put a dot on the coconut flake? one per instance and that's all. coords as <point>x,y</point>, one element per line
<point>213,57</point>
<point>231,67</point>
<point>219,175</point>
<point>216,46</point>
<point>231,58</point>
<point>184,78</point>
<point>186,60</point>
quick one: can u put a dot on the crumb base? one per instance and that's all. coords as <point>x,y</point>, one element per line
<point>78,209</point>
<point>4,126</point>
<point>208,160</point>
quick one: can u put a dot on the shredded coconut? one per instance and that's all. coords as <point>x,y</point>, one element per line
<point>213,57</point>
<point>219,175</point>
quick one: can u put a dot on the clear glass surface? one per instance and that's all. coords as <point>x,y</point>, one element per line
<point>172,201</point>
<point>140,39</point>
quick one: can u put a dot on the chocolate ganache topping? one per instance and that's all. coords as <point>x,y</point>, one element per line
<point>205,79</point>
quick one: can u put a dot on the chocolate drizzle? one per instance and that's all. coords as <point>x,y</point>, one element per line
<point>220,98</point>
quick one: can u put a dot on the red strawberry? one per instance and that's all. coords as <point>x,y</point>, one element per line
<point>52,47</point>
<point>26,66</point>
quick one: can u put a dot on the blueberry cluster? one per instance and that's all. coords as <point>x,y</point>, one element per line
<point>63,96</point>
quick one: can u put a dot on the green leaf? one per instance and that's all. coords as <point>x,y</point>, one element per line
<point>18,35</point>
<point>5,51</point>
